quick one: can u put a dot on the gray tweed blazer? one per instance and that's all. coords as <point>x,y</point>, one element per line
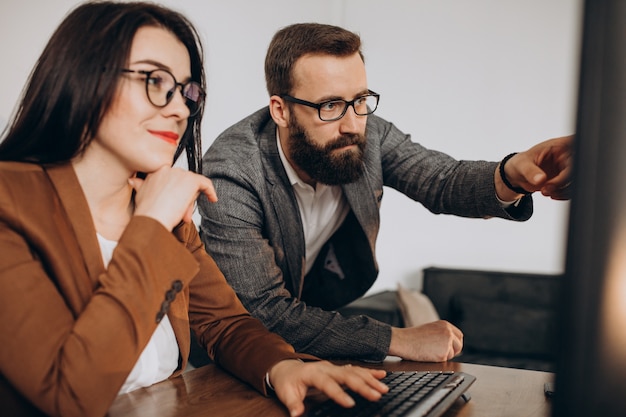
<point>254,232</point>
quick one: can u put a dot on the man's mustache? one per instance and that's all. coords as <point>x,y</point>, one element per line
<point>345,140</point>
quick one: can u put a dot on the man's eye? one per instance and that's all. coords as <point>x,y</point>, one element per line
<point>331,105</point>
<point>360,101</point>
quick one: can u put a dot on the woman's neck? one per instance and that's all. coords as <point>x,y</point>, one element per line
<point>108,194</point>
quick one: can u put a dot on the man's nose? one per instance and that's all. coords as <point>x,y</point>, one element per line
<point>351,122</point>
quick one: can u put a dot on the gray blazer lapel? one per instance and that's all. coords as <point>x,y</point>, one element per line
<point>365,208</point>
<point>285,209</point>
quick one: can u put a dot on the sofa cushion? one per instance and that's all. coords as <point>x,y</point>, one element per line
<point>507,318</point>
<point>416,307</point>
<point>504,327</point>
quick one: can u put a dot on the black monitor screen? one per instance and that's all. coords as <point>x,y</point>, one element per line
<point>591,369</point>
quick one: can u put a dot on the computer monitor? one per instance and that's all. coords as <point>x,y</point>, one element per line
<point>591,365</point>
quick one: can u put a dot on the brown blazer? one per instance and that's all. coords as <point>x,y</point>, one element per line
<point>73,330</point>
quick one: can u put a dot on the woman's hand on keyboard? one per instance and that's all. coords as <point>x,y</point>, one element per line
<point>292,380</point>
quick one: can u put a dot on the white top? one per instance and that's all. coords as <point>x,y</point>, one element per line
<point>322,210</point>
<point>159,358</point>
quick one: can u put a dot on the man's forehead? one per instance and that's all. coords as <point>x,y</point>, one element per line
<point>330,75</point>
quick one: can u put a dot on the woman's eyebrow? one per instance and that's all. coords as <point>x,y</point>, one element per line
<point>151,62</point>
<point>159,65</point>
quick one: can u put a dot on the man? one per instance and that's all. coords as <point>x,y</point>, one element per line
<point>300,184</point>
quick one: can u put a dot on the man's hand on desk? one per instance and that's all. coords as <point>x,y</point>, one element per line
<point>292,379</point>
<point>437,341</point>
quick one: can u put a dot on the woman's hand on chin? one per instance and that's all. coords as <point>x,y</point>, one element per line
<point>168,194</point>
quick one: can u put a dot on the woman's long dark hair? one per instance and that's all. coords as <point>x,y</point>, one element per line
<point>75,79</point>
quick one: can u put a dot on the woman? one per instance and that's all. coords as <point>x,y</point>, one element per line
<point>102,268</point>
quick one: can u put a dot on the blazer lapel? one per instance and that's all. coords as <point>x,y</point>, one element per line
<point>365,208</point>
<point>75,205</point>
<point>285,208</point>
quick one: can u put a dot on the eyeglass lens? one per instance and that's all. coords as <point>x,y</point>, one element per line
<point>161,86</point>
<point>335,109</point>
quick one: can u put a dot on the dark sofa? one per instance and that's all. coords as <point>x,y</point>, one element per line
<point>508,319</point>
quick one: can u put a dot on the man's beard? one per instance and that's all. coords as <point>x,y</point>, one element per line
<point>322,163</point>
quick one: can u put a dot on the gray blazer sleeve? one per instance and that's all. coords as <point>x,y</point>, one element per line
<point>439,182</point>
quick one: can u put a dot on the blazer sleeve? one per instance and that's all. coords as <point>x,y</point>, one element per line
<point>233,339</point>
<point>438,181</point>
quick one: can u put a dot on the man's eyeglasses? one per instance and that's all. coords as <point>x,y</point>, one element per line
<point>161,86</point>
<point>332,110</point>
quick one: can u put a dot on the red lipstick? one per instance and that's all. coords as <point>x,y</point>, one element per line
<point>168,136</point>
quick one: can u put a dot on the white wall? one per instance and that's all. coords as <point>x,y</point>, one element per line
<point>475,78</point>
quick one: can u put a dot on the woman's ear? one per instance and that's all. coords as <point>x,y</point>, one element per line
<point>279,111</point>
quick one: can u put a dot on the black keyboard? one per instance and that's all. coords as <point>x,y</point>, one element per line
<point>411,393</point>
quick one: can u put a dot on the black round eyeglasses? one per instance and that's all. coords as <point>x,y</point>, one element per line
<point>161,86</point>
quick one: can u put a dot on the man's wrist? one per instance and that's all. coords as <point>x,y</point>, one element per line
<point>505,180</point>
<point>507,204</point>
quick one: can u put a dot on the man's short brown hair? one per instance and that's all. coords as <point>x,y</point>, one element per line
<point>292,42</point>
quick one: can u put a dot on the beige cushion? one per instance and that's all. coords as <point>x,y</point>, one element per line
<point>416,307</point>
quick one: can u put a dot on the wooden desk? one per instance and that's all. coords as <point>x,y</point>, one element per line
<point>210,392</point>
